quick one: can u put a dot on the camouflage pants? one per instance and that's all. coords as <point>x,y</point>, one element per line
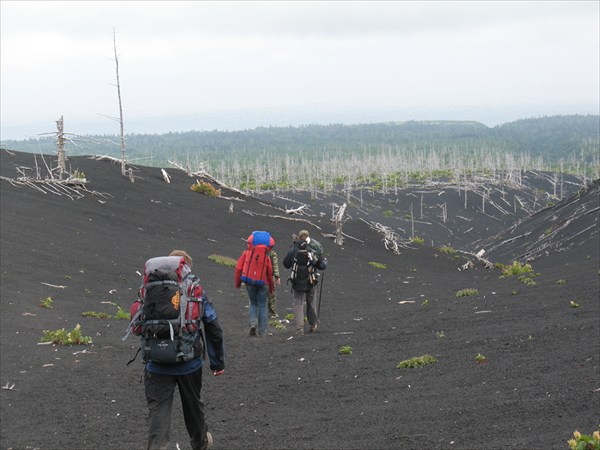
<point>272,301</point>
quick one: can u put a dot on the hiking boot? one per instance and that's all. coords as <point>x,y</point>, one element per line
<point>252,331</point>
<point>300,332</point>
<point>313,328</point>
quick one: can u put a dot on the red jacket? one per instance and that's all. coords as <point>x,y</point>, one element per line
<point>240,267</point>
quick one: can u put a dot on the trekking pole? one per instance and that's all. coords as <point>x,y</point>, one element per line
<point>320,293</point>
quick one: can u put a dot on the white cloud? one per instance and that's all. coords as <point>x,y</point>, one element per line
<point>184,57</point>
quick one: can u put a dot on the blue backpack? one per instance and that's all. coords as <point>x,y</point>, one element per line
<point>254,271</point>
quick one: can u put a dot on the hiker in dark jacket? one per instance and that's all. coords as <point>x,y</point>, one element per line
<point>160,381</point>
<point>305,259</point>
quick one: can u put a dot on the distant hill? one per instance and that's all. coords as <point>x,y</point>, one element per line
<point>550,139</point>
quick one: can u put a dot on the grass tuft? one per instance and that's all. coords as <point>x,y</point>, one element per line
<point>223,260</point>
<point>417,361</point>
<point>467,292</point>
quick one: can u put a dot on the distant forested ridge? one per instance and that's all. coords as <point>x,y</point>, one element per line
<point>566,143</point>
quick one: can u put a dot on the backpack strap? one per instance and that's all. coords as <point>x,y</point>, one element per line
<point>161,282</point>
<point>133,320</point>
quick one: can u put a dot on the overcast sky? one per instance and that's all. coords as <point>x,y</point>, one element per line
<point>267,60</point>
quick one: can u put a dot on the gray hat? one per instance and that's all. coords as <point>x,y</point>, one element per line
<point>303,234</point>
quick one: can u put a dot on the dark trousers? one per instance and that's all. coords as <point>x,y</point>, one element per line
<point>159,394</point>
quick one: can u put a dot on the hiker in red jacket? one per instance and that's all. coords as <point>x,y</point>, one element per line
<point>255,270</point>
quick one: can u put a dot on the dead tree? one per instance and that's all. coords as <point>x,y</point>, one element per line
<point>60,143</point>
<point>339,235</point>
<point>122,135</point>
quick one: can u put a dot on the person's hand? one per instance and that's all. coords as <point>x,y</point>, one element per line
<point>216,373</point>
<point>278,281</point>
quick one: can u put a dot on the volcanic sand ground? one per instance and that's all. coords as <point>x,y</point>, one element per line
<point>540,383</point>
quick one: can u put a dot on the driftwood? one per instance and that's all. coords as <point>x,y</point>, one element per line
<point>298,210</point>
<point>252,213</point>
<point>203,174</point>
<point>54,285</point>
<point>391,240</point>
<point>333,236</point>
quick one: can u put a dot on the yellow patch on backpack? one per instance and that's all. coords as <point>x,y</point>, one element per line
<point>175,300</point>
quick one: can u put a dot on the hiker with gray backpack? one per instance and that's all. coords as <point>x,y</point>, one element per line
<point>168,316</point>
<point>305,258</point>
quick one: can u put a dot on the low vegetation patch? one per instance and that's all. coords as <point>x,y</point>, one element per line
<point>205,188</point>
<point>467,292</point>
<point>345,350</point>
<point>279,325</point>
<point>417,361</point>
<point>377,265</point>
<point>584,441</point>
<point>516,268</point>
<point>561,282</point>
<point>223,260</point>
<point>62,337</point>
<point>47,303</point>
<point>480,359</point>
<point>417,240</point>
<point>96,315</point>
<point>448,250</point>
<point>389,213</point>
<point>121,314</point>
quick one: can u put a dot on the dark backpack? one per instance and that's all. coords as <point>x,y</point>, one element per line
<point>303,272</point>
<point>168,313</point>
<point>254,270</point>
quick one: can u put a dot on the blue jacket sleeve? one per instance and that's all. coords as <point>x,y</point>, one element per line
<point>214,336</point>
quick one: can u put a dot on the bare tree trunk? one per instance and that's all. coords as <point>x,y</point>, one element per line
<point>123,161</point>
<point>412,222</point>
<point>339,235</point>
<point>60,142</point>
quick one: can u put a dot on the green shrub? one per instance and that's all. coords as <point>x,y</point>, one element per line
<point>585,442</point>
<point>561,282</point>
<point>417,240</point>
<point>467,292</point>
<point>480,359</point>
<point>46,303</point>
<point>417,361</point>
<point>205,188</point>
<point>377,265</point>
<point>96,315</point>
<point>122,314</point>
<point>440,334</point>
<point>516,268</point>
<point>277,324</point>
<point>389,213</point>
<point>223,260</point>
<point>574,304</point>
<point>78,175</point>
<point>289,317</point>
<point>345,350</point>
<point>448,250</point>
<point>61,337</point>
